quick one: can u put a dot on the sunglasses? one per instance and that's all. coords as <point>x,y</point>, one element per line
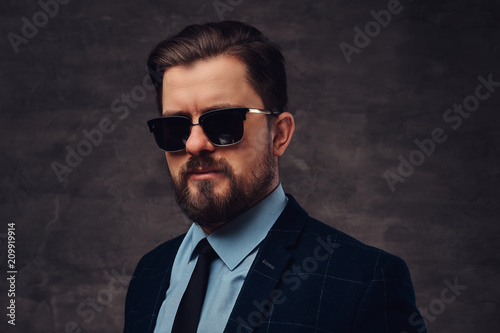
<point>223,127</point>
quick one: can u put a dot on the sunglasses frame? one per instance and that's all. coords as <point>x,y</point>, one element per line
<point>241,111</point>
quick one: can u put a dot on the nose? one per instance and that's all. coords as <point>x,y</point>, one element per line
<point>198,142</point>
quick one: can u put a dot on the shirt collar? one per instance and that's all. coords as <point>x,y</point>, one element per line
<point>235,240</point>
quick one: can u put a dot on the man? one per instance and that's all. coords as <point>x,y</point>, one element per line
<point>253,260</point>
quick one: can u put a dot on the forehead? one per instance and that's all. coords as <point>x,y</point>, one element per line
<point>215,82</point>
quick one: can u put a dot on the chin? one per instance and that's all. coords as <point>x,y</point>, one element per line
<point>203,190</point>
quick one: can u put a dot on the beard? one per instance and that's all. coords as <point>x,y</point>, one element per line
<point>209,209</point>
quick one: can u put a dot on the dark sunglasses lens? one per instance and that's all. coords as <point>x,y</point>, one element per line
<point>223,127</point>
<point>171,133</point>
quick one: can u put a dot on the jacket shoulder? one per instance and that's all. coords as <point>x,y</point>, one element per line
<point>160,255</point>
<point>359,261</point>
<point>148,285</point>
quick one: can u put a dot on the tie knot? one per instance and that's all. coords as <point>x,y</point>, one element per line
<point>204,248</point>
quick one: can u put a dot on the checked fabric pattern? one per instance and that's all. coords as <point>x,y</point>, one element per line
<point>307,277</point>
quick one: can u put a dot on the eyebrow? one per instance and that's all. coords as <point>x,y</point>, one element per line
<point>166,113</point>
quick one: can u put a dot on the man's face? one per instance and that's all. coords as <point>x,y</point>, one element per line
<point>214,184</point>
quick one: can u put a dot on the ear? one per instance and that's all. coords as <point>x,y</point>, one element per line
<point>283,128</point>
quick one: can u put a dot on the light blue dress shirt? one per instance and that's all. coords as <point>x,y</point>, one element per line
<point>236,244</point>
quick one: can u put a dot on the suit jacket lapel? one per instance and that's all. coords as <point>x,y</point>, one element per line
<point>274,257</point>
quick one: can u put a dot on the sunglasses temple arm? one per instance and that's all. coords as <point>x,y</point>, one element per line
<point>262,111</point>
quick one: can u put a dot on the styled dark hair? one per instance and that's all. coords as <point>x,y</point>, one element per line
<point>264,60</point>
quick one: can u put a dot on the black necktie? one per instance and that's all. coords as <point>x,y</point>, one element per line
<point>188,313</point>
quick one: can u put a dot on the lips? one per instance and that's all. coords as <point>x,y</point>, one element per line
<point>205,167</point>
<point>203,173</point>
<point>201,170</point>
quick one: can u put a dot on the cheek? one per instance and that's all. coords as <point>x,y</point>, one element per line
<point>174,164</point>
<point>250,151</point>
<point>256,142</point>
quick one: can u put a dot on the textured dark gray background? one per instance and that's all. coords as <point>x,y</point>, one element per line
<point>353,121</point>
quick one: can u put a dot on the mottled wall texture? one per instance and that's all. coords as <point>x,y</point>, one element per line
<point>397,110</point>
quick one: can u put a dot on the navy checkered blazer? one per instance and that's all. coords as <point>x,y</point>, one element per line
<point>307,277</point>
